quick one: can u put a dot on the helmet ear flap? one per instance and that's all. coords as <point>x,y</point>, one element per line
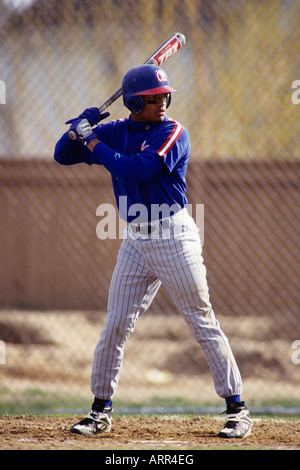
<point>169,100</point>
<point>135,104</point>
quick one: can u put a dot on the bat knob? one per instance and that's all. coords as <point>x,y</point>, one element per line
<point>72,135</point>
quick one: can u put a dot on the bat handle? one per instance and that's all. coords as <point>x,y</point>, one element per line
<point>110,100</point>
<point>102,108</point>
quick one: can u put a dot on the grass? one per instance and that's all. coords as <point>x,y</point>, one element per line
<point>38,402</point>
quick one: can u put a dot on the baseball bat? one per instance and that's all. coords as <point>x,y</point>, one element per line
<point>163,53</point>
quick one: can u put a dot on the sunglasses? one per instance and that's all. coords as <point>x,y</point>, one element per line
<point>156,99</point>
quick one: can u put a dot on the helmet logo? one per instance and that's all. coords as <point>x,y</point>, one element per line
<point>161,76</point>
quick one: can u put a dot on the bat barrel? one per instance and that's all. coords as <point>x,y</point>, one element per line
<point>181,38</point>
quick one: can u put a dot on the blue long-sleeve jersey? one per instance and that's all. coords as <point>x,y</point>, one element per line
<point>147,162</point>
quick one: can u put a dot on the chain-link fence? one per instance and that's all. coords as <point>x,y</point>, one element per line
<point>235,76</point>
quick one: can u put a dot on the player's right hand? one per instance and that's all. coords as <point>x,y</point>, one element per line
<point>92,115</point>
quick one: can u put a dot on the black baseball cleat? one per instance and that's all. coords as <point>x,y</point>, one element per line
<point>96,422</point>
<point>237,422</point>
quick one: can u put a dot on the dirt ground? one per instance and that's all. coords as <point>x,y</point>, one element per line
<point>144,433</point>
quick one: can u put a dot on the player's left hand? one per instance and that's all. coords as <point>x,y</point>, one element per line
<point>81,131</point>
<point>92,115</point>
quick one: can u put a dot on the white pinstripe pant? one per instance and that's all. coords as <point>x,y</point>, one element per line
<point>143,264</point>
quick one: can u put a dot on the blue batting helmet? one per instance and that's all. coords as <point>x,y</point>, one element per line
<point>144,80</point>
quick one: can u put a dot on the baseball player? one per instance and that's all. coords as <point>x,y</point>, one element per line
<point>147,155</point>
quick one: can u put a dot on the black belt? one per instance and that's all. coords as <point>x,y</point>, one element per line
<point>147,229</point>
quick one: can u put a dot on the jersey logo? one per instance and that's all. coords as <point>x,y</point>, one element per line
<point>144,146</point>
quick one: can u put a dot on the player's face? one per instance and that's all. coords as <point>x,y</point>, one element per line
<point>154,108</point>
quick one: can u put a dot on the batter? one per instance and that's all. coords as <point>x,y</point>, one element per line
<point>147,156</point>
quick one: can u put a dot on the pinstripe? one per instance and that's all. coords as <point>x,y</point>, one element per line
<point>132,290</point>
<point>142,265</point>
<point>195,306</point>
